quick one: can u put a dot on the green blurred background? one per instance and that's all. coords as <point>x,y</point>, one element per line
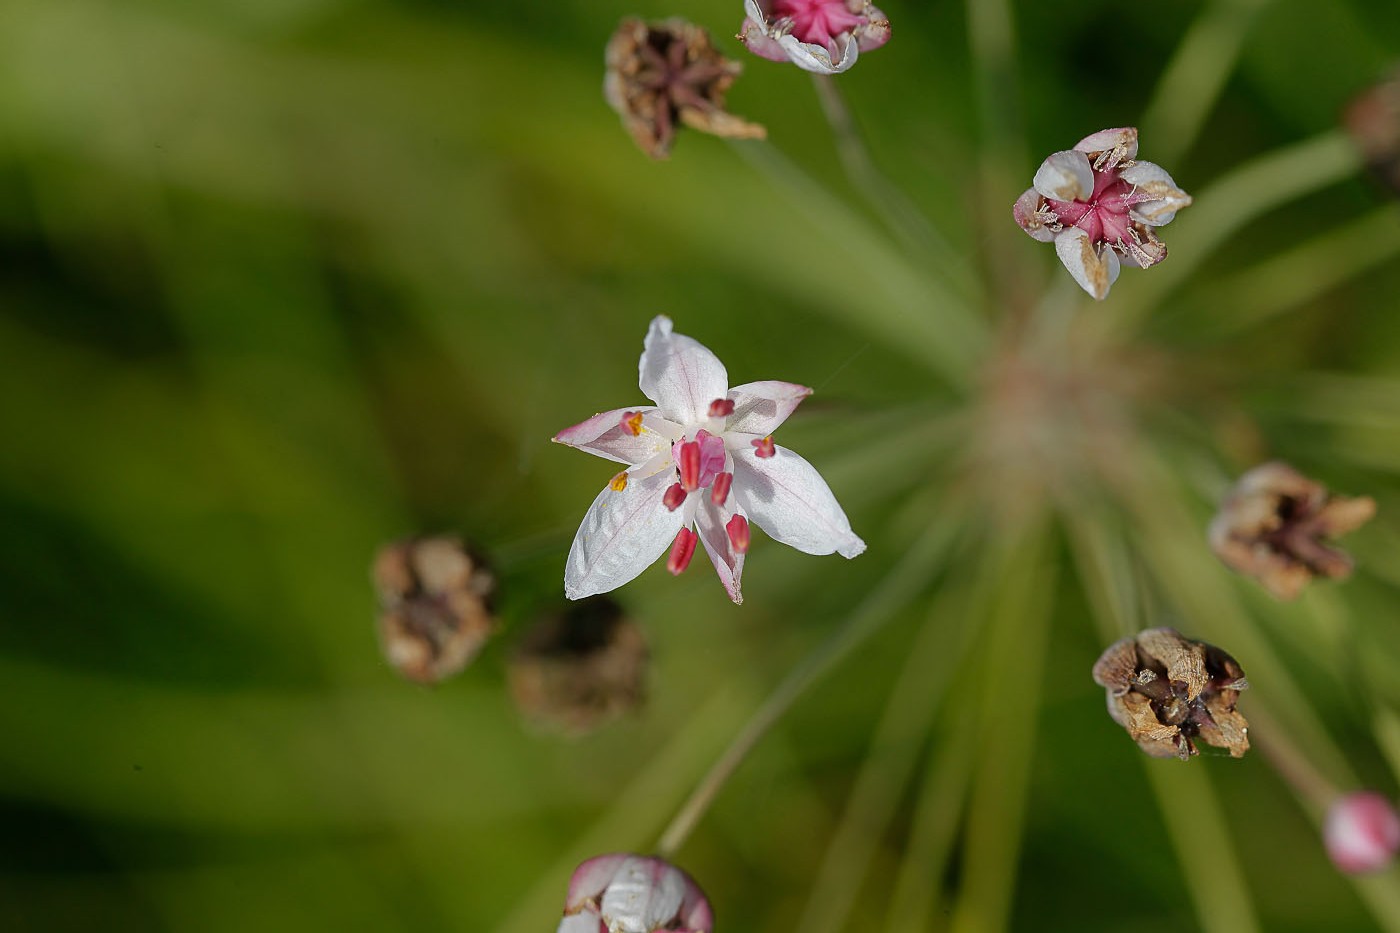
<point>282,280</point>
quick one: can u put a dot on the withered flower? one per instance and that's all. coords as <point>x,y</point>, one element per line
<point>1373,121</point>
<point>581,668</point>
<point>435,606</point>
<point>663,73</point>
<point>1169,691</point>
<point>1272,526</point>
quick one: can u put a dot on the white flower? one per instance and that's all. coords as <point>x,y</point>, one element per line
<point>702,458</point>
<point>624,893</point>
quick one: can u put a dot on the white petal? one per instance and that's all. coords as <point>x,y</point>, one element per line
<point>1065,176</point>
<point>645,896</point>
<point>586,922</point>
<point>811,57</point>
<point>591,878</point>
<point>1094,271</point>
<point>680,374</point>
<point>603,436</point>
<point>1163,196</point>
<point>759,407</point>
<point>755,13</point>
<point>786,497</point>
<point>1111,146</point>
<point>1032,220</point>
<point>622,534</point>
<point>710,521</point>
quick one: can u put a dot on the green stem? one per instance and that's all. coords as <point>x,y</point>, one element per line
<point>895,591</point>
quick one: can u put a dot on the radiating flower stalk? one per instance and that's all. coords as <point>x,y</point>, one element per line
<point>1055,420</point>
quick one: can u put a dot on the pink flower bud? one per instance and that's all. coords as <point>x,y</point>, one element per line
<point>626,893</point>
<point>1362,833</point>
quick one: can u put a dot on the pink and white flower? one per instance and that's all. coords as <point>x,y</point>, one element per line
<point>1362,833</point>
<point>634,894</point>
<point>1097,204</point>
<point>701,464</point>
<point>822,36</point>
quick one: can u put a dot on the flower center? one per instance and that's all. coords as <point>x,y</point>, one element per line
<point>1104,216</point>
<point>817,21</point>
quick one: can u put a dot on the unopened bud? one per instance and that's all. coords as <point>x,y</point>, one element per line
<point>1362,833</point>
<point>625,893</point>
<point>577,670</point>
<point>435,606</point>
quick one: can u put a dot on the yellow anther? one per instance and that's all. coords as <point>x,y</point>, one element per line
<point>619,482</point>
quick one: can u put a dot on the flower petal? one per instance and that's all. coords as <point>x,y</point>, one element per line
<point>645,895</point>
<point>876,32</point>
<point>759,407</point>
<point>591,878</point>
<point>623,533</point>
<point>603,436</point>
<point>586,922</point>
<point>729,564</point>
<point>1095,272</point>
<point>1031,219</point>
<point>786,497</point>
<point>1065,176</point>
<point>815,58</point>
<point>1110,147</point>
<point>1157,196</point>
<point>680,374</point>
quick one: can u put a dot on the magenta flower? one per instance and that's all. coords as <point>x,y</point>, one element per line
<point>633,894</point>
<point>824,36</point>
<point>1097,205</point>
<point>1362,833</point>
<point>701,458</point>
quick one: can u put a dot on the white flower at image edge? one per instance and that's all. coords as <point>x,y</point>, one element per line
<point>701,465</point>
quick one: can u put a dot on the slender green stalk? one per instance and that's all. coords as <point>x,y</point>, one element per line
<point>893,593</point>
<point>1193,79</point>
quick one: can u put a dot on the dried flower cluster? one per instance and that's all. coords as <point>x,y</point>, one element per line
<point>1169,691</point>
<point>1097,204</point>
<point>664,75</point>
<point>625,893</point>
<point>435,606</point>
<point>581,668</point>
<point>1274,524</point>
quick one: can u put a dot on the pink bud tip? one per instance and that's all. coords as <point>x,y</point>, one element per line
<point>720,490</point>
<point>1362,833</point>
<point>682,551</point>
<point>721,408</point>
<point>674,497</point>
<point>738,531</point>
<point>690,465</point>
<point>764,447</point>
<point>632,422</point>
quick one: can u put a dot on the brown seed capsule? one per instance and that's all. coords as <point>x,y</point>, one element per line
<point>581,668</point>
<point>661,74</point>
<point>1169,691</point>
<point>1373,121</point>
<point>435,606</point>
<point>1273,524</point>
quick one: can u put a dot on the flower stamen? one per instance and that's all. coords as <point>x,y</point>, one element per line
<point>682,551</point>
<point>721,408</point>
<point>674,497</point>
<point>632,422</point>
<point>688,463</point>
<point>618,482</point>
<point>738,531</point>
<point>763,447</point>
<point>720,490</point>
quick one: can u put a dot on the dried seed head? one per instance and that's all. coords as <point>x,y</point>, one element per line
<point>1169,691</point>
<point>669,73</point>
<point>577,670</point>
<point>1373,121</point>
<point>1273,525</point>
<point>1362,833</point>
<point>434,606</point>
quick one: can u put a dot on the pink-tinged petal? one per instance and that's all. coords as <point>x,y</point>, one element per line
<point>1111,146</point>
<point>1157,197</point>
<point>696,915</point>
<point>623,533</point>
<point>819,60</point>
<point>1362,833</point>
<point>645,895</point>
<point>1031,218</point>
<point>757,41</point>
<point>604,435</point>
<point>680,374</point>
<point>1094,271</point>
<point>1065,176</point>
<point>759,407</point>
<point>786,497</point>
<point>587,922</point>
<point>875,33</point>
<point>591,878</point>
<point>711,520</point>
